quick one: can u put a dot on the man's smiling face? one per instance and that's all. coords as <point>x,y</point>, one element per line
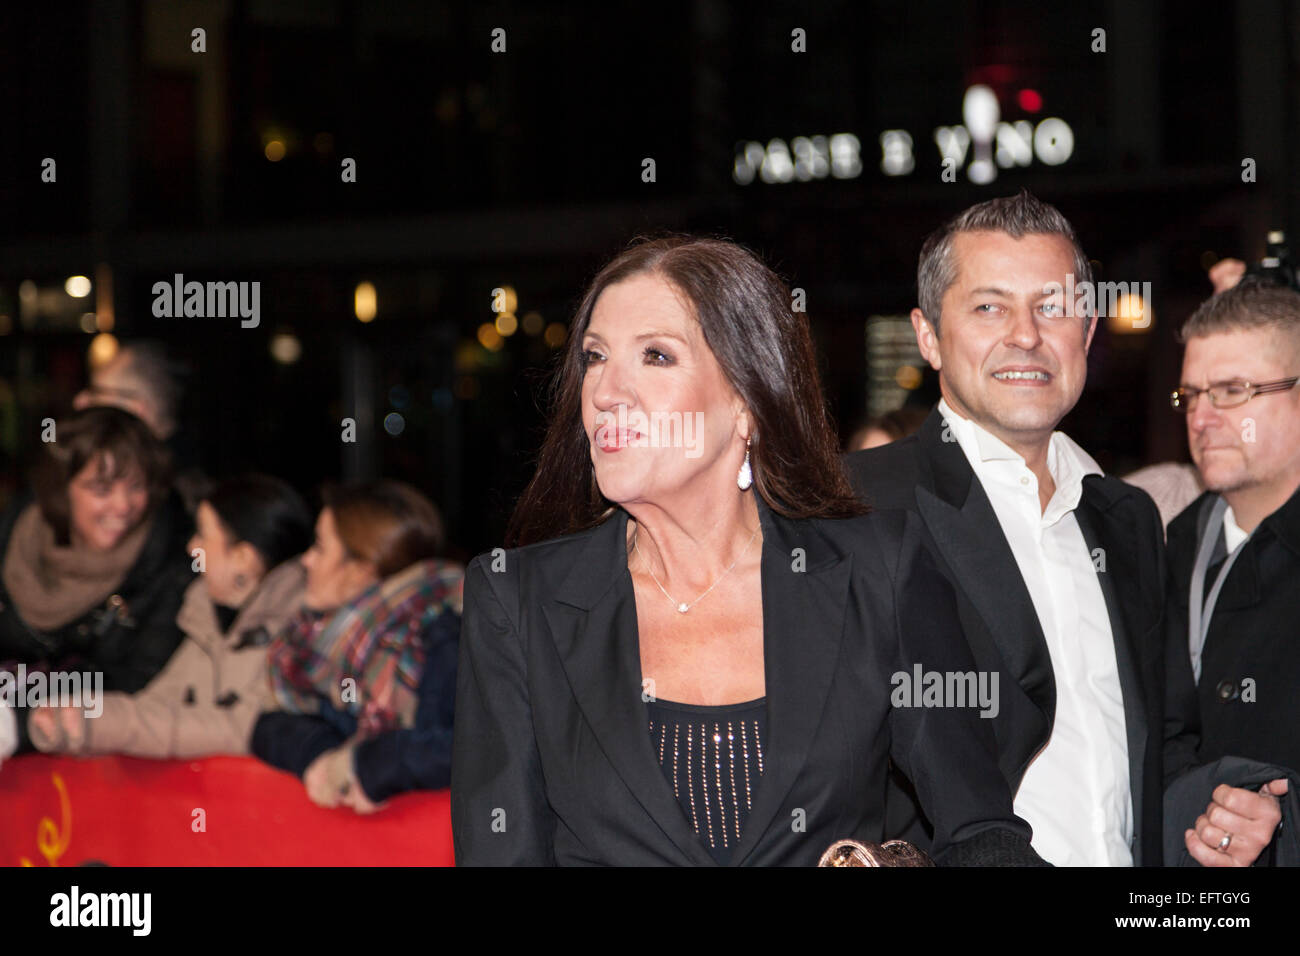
<point>1012,355</point>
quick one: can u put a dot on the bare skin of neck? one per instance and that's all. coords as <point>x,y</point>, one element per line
<point>691,546</point>
<point>1252,504</point>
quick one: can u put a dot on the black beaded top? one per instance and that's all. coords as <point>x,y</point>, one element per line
<point>713,758</point>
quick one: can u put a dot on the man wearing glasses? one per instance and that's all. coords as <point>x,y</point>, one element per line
<point>1234,553</point>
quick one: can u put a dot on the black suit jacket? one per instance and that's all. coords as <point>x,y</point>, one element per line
<point>931,477</point>
<point>552,760</point>
<point>1252,638</point>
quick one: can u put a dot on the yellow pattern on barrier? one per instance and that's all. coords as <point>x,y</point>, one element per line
<point>49,839</point>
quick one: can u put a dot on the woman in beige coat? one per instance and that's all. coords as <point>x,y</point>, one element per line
<point>207,697</point>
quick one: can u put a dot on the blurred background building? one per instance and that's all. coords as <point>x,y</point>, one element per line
<point>489,178</point>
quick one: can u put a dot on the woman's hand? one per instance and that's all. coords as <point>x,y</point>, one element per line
<point>57,729</point>
<point>355,797</point>
<point>323,787</point>
<point>73,722</point>
<point>331,781</point>
<point>44,729</point>
<point>353,794</point>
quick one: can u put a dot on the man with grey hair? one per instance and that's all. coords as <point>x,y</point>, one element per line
<point>1234,557</point>
<point>140,378</point>
<point>143,378</point>
<point>1059,570</point>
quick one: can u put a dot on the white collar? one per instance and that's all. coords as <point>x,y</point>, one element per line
<point>1233,533</point>
<point>1067,463</point>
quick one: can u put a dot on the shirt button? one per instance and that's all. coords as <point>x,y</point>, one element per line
<point>1024,481</point>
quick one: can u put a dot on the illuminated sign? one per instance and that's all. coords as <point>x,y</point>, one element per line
<point>988,141</point>
<point>806,158</point>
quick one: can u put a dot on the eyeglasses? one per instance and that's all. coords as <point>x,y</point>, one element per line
<point>1227,394</point>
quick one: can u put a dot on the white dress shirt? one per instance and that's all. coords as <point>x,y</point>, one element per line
<point>1233,534</point>
<point>1075,792</point>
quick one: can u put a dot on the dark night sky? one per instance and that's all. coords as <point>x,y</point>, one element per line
<point>476,169</point>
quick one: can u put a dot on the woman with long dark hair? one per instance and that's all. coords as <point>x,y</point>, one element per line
<point>688,655</point>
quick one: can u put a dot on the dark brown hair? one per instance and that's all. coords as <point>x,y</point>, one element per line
<point>897,424</point>
<point>265,512</point>
<point>387,523</point>
<point>118,440</point>
<point>766,354</point>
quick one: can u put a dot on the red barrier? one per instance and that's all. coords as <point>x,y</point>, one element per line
<point>219,811</point>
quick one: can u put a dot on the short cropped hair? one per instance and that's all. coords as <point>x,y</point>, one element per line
<point>1017,216</point>
<point>162,375</point>
<point>1253,303</point>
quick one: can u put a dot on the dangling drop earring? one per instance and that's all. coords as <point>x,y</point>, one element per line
<point>746,476</point>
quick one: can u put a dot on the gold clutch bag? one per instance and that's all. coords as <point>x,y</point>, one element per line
<point>890,853</point>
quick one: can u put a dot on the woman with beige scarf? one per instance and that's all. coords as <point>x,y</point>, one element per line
<point>205,700</point>
<point>92,571</point>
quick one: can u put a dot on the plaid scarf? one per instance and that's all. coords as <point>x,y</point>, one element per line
<point>367,657</point>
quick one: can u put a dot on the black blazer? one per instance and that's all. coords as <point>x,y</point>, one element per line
<point>1252,636</point>
<point>552,760</point>
<point>931,477</point>
<point>130,635</point>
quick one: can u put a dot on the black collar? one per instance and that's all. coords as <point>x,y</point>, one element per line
<point>952,473</point>
<point>604,560</point>
<point>593,625</point>
<point>1285,522</point>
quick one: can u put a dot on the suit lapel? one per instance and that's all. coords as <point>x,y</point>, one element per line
<point>1241,589</point>
<point>969,537</point>
<point>593,625</point>
<point>1110,528</point>
<point>803,624</point>
<point>592,620</point>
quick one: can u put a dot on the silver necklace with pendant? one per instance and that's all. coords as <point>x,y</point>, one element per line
<point>682,606</point>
